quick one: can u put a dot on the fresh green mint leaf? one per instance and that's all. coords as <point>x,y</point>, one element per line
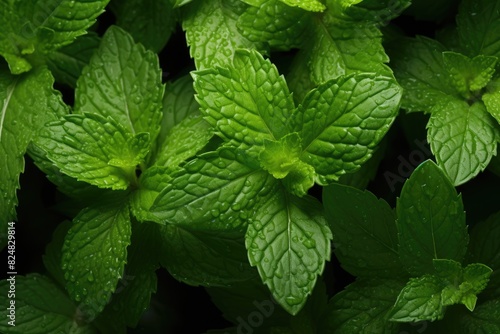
<point>40,306</point>
<point>107,158</point>
<point>95,253</point>
<point>362,308</point>
<point>478,24</point>
<point>476,278</point>
<point>431,220</point>
<point>183,141</point>
<point>213,191</point>
<point>260,25</point>
<point>204,258</point>
<point>364,232</point>
<point>419,300</point>
<point>150,22</point>
<point>151,182</point>
<point>67,63</point>
<point>491,99</point>
<point>484,248</point>
<point>367,172</point>
<point>122,80</point>
<point>43,27</point>
<point>343,120</point>
<point>27,102</point>
<point>288,241</point>
<point>341,45</point>
<point>462,137</point>
<point>133,292</point>
<point>178,104</point>
<point>246,102</point>
<point>79,190</point>
<point>419,67</point>
<point>299,76</point>
<point>469,75</point>
<point>310,5</point>
<point>212,32</point>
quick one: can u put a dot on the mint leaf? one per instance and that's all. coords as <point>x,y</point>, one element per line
<point>152,21</point>
<point>68,62</point>
<point>311,5</point>
<point>364,232</point>
<point>260,25</point>
<point>109,156</point>
<point>204,258</point>
<point>212,33</point>
<point>341,45</point>
<point>214,191</point>
<point>22,114</point>
<point>368,171</point>
<point>39,306</point>
<point>343,120</point>
<point>288,241</point>
<point>484,248</point>
<point>478,24</point>
<point>462,138</point>
<point>183,141</point>
<point>362,308</point>
<point>469,75</point>
<point>281,159</point>
<point>491,99</point>
<point>151,182</point>
<point>431,220</point>
<point>247,102</point>
<point>95,253</point>
<point>38,26</point>
<point>134,289</point>
<point>420,299</point>
<point>123,81</point>
<point>419,67</point>
<point>178,103</point>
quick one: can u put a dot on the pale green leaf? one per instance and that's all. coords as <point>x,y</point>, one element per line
<point>491,99</point>
<point>343,120</point>
<point>27,102</point>
<point>212,33</point>
<point>93,149</point>
<point>183,141</point>
<point>281,26</point>
<point>288,241</point>
<point>95,253</point>
<point>462,137</point>
<point>364,232</point>
<point>431,220</point>
<point>122,80</point>
<point>246,102</point>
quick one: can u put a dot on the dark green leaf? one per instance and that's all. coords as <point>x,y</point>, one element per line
<point>431,220</point>
<point>364,232</point>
